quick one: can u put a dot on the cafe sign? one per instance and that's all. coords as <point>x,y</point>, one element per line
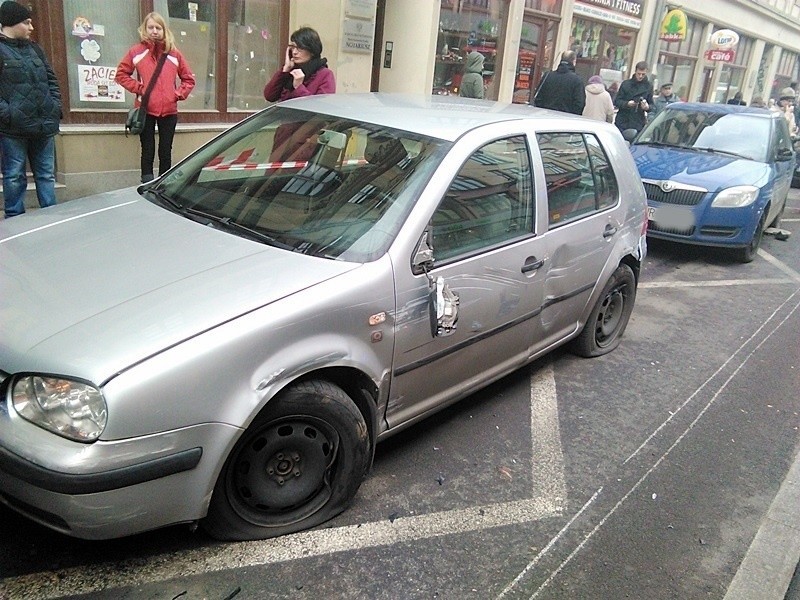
<point>723,46</point>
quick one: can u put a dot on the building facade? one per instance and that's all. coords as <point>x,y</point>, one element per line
<point>709,50</point>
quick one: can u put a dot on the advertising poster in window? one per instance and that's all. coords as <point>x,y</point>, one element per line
<point>96,84</point>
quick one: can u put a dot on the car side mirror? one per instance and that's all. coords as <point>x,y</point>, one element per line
<point>785,154</point>
<point>443,308</point>
<point>629,134</point>
<point>423,255</point>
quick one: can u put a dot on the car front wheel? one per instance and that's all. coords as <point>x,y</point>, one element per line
<point>748,253</point>
<point>299,464</point>
<point>609,317</point>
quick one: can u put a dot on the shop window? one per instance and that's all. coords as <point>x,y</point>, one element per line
<point>98,34</point>
<point>194,26</point>
<point>232,46</point>
<point>474,25</point>
<point>602,49</point>
<point>253,51</point>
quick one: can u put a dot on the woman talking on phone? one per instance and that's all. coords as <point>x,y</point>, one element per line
<point>304,72</point>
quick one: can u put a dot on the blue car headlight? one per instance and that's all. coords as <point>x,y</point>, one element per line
<point>73,409</point>
<point>736,197</point>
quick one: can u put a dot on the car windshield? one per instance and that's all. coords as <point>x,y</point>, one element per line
<point>311,183</point>
<point>737,134</point>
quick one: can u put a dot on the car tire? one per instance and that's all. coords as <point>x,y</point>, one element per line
<point>299,464</point>
<point>748,253</point>
<point>609,317</point>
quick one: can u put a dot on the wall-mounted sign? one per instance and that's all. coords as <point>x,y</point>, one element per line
<point>626,14</point>
<point>720,55</point>
<point>358,36</point>
<point>724,39</point>
<point>673,26</point>
<point>360,9</point>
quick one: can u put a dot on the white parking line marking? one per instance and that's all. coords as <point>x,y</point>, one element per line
<point>548,482</point>
<point>779,264</point>
<point>744,359</point>
<point>710,283</point>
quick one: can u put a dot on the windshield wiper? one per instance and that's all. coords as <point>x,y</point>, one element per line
<point>718,151</point>
<point>162,197</point>
<point>658,144</point>
<point>242,230</point>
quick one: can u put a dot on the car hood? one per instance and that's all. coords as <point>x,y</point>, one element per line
<point>713,172</point>
<point>91,287</point>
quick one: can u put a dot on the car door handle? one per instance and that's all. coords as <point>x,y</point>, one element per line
<point>609,231</point>
<point>531,264</point>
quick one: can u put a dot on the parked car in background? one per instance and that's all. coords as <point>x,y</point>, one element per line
<point>227,343</point>
<point>715,174</point>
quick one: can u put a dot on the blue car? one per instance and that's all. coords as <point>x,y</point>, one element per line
<point>715,174</point>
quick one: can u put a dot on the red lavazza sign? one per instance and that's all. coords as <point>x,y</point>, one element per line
<point>721,55</point>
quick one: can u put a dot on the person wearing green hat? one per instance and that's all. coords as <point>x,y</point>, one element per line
<point>30,111</point>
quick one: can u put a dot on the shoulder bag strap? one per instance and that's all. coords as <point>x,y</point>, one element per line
<point>156,73</point>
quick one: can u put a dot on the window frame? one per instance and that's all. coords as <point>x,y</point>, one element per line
<point>465,252</point>
<point>50,34</point>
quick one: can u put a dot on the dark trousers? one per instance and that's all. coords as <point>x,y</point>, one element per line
<point>166,133</point>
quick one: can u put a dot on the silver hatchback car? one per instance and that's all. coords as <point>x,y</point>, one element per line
<point>228,343</point>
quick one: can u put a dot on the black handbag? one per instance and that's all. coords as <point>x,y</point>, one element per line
<point>134,123</point>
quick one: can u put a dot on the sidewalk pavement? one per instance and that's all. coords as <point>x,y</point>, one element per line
<point>771,568</point>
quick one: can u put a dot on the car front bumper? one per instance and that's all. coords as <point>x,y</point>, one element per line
<point>110,488</point>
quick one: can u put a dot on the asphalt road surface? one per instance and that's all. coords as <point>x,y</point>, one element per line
<point>647,473</point>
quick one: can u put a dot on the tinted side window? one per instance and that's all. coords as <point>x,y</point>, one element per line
<point>568,173</point>
<point>604,179</point>
<point>579,176</point>
<point>490,201</point>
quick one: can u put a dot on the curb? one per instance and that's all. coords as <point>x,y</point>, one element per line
<point>770,563</point>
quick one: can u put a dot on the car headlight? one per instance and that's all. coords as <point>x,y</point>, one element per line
<point>736,197</point>
<point>72,409</point>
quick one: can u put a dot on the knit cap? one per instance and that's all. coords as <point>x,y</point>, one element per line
<point>12,13</point>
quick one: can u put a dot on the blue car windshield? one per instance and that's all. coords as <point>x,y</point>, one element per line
<point>322,185</point>
<point>741,135</point>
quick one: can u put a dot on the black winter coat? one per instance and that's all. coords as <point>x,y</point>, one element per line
<point>562,90</point>
<point>630,89</point>
<point>30,99</point>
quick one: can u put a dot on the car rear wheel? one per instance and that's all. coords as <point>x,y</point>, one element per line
<point>299,464</point>
<point>609,317</point>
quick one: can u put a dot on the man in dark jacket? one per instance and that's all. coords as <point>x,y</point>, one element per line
<point>30,111</point>
<point>562,89</point>
<point>634,99</point>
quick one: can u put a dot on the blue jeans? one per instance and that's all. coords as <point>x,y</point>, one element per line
<point>40,153</point>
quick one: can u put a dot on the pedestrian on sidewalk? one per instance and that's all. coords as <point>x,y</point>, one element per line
<point>561,89</point>
<point>30,111</point>
<point>472,80</point>
<point>156,41</point>
<point>599,105</point>
<point>634,99</point>
<point>304,73</point>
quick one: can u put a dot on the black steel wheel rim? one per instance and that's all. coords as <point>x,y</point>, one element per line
<point>282,472</point>
<point>610,316</point>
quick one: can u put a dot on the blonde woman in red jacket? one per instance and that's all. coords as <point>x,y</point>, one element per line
<point>162,106</point>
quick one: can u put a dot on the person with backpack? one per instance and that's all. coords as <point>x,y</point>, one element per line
<point>30,111</point>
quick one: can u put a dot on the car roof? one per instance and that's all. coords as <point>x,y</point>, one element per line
<point>711,107</point>
<point>444,117</point>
